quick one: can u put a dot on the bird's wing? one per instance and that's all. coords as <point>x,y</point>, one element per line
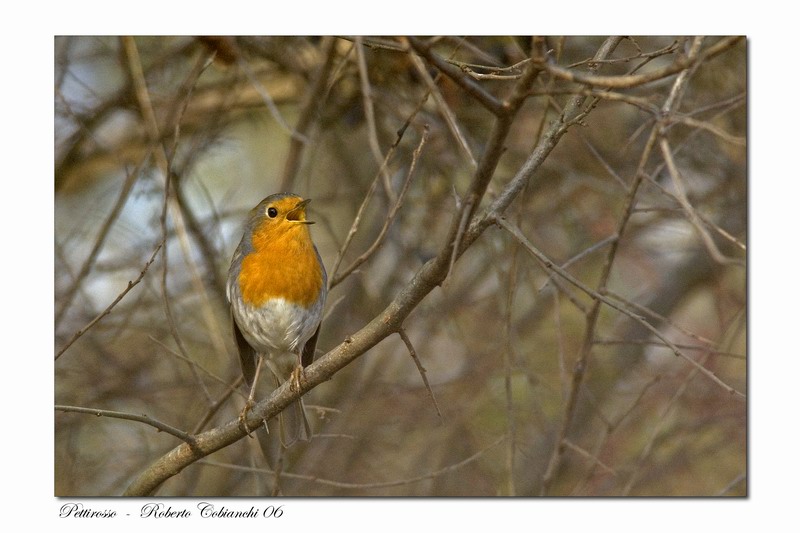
<point>309,349</point>
<point>247,355</point>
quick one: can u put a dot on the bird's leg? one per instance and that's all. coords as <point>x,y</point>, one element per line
<point>297,374</point>
<point>251,397</point>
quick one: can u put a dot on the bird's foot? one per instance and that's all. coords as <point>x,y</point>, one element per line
<point>297,377</point>
<point>243,417</point>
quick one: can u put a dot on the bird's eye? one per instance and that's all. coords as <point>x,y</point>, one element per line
<point>272,212</point>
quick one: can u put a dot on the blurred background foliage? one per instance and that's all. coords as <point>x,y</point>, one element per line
<point>499,340</point>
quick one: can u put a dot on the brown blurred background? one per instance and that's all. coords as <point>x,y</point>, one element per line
<point>499,340</point>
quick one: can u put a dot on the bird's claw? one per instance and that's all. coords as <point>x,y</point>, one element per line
<point>297,377</point>
<point>243,417</point>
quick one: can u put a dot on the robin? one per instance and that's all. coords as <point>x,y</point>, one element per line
<point>276,288</point>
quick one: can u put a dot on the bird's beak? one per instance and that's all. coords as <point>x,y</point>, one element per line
<point>298,212</point>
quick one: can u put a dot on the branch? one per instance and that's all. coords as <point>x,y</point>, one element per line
<point>444,109</point>
<point>144,419</point>
<point>660,424</point>
<point>549,265</point>
<point>171,205</point>
<point>386,323</point>
<point>422,372</point>
<point>635,80</point>
<point>472,88</point>
<point>691,214</point>
<point>267,99</point>
<point>377,485</point>
<point>122,199</point>
<point>131,284</point>
<point>389,218</point>
<point>334,278</point>
<point>391,319</point>
<point>308,113</point>
<point>369,113</point>
<point>491,157</point>
<point>548,141</point>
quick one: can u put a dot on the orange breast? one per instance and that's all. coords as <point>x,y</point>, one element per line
<point>282,265</point>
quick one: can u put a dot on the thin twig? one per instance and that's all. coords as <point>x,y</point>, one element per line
<point>337,277</point>
<point>308,113</point>
<point>509,363</point>
<point>199,367</point>
<point>641,55</point>
<point>726,105</point>
<point>732,485</point>
<point>460,77</point>
<point>600,159</point>
<point>389,218</point>
<point>334,279</point>
<point>694,219</point>
<point>105,228</point>
<point>593,458</point>
<point>611,426</point>
<point>580,255</point>
<point>144,419</point>
<point>721,231</point>
<point>369,112</point>
<point>662,420</point>
<point>559,334</point>
<point>635,80</point>
<point>493,71</point>
<point>548,264</point>
<point>652,314</point>
<point>216,405</point>
<point>376,43</point>
<point>267,99</point>
<point>378,485</point>
<point>422,372</point>
<point>704,125</point>
<point>120,296</point>
<point>171,205</point>
<point>656,344</point>
<point>466,211</point>
<point>444,109</point>
<point>643,104</point>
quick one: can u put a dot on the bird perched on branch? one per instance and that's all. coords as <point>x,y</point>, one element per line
<point>276,287</point>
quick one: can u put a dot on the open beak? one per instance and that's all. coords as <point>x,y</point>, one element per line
<point>298,213</point>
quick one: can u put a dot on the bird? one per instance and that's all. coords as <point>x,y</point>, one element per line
<point>276,288</point>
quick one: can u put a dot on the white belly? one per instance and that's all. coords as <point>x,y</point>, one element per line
<point>278,326</point>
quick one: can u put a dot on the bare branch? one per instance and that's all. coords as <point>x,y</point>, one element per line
<point>422,372</point>
<point>660,423</point>
<point>457,75</point>
<point>309,109</point>
<point>107,310</point>
<point>635,80</point>
<point>547,263</point>
<point>377,485</point>
<point>583,453</point>
<point>144,419</point>
<point>369,111</point>
<point>389,218</point>
<point>694,218</point>
<point>444,109</point>
<point>122,199</point>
